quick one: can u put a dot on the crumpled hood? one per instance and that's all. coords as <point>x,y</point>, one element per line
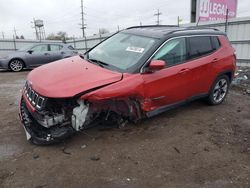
<point>68,77</point>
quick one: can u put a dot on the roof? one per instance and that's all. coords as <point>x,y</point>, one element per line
<point>160,31</point>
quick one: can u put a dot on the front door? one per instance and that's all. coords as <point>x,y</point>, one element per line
<point>167,86</point>
<point>38,55</point>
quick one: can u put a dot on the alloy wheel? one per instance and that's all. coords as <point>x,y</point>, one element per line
<point>220,90</point>
<point>16,65</point>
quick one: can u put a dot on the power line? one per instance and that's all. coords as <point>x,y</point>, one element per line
<point>158,16</point>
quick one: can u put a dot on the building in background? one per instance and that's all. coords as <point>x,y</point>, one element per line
<point>213,10</point>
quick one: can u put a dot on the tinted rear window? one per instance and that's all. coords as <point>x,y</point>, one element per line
<point>199,46</point>
<point>216,42</point>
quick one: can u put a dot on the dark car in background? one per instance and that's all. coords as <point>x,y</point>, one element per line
<point>36,55</point>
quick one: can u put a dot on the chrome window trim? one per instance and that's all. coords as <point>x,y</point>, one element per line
<point>184,36</point>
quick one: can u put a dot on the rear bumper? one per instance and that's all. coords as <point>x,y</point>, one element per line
<point>37,133</point>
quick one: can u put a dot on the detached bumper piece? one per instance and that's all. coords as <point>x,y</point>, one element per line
<point>39,134</point>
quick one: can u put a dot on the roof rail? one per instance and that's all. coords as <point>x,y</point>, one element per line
<point>192,28</point>
<point>148,26</point>
<point>201,27</point>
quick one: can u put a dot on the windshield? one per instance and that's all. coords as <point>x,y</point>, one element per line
<point>121,50</point>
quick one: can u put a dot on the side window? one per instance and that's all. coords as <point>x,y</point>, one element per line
<point>216,42</point>
<point>199,46</point>
<point>55,47</point>
<point>173,52</point>
<point>40,48</point>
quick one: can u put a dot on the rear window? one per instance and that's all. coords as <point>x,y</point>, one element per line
<point>216,42</point>
<point>199,46</point>
<point>55,47</point>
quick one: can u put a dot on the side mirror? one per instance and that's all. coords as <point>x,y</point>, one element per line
<point>155,65</point>
<point>30,51</point>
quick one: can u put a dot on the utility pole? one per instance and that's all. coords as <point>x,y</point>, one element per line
<point>100,35</point>
<point>140,24</point>
<point>118,28</point>
<point>178,21</point>
<point>15,32</point>
<point>14,42</point>
<point>226,23</point>
<point>3,34</point>
<point>82,24</point>
<point>158,16</point>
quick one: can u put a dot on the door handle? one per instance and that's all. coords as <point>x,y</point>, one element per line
<point>183,71</point>
<point>46,54</point>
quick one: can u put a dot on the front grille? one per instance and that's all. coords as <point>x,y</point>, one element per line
<point>35,99</point>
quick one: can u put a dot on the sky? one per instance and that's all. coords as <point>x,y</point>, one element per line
<point>64,15</point>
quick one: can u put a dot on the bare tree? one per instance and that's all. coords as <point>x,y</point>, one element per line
<point>103,31</point>
<point>61,35</point>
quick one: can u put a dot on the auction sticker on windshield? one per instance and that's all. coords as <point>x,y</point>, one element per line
<point>135,49</point>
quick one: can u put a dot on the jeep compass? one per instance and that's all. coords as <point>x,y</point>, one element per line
<point>134,74</point>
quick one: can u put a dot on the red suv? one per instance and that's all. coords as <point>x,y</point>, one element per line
<point>136,73</point>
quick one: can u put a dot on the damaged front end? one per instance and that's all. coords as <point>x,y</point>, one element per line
<point>51,120</point>
<point>48,120</point>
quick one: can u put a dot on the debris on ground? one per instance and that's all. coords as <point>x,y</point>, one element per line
<point>242,74</point>
<point>206,149</point>
<point>83,146</point>
<point>95,158</point>
<point>242,80</point>
<point>177,150</point>
<point>65,152</point>
<point>41,186</point>
<point>35,156</point>
<point>242,77</point>
<point>128,179</point>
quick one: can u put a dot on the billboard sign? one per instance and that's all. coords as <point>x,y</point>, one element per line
<point>213,10</point>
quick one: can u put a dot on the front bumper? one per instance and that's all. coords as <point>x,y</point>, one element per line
<point>39,134</point>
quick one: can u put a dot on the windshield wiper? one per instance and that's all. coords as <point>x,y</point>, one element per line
<point>100,63</point>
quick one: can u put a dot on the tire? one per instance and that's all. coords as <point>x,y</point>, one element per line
<point>219,90</point>
<point>16,65</point>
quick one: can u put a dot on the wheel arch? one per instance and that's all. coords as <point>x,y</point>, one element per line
<point>228,73</point>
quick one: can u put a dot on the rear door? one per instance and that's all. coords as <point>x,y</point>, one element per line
<point>56,52</point>
<point>169,85</point>
<point>199,62</point>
